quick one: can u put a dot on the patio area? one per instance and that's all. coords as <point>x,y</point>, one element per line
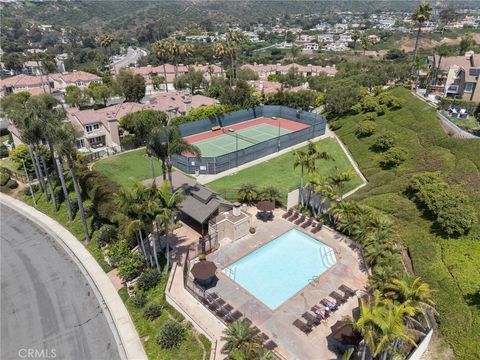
<point>277,323</point>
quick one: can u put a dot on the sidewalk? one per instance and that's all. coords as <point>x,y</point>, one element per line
<point>128,341</point>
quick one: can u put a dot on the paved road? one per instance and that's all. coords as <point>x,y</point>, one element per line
<point>47,304</point>
<point>131,58</point>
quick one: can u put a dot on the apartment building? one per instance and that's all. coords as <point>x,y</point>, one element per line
<point>306,70</point>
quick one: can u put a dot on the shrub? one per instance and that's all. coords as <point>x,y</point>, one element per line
<point>450,208</point>
<point>152,311</point>
<point>130,266</point>
<point>369,104</point>
<point>106,234</point>
<point>393,157</point>
<point>384,142</point>
<point>3,151</point>
<point>369,117</point>
<point>148,280</point>
<point>4,179</point>
<point>381,109</point>
<point>138,300</point>
<point>365,128</point>
<point>12,184</point>
<point>171,335</point>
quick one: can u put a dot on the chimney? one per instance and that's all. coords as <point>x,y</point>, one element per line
<point>236,211</point>
<point>188,104</point>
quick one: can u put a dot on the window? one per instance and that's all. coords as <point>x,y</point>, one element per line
<point>90,128</point>
<point>469,87</point>
<point>80,143</point>
<point>79,83</point>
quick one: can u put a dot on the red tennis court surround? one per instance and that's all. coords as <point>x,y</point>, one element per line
<point>284,124</point>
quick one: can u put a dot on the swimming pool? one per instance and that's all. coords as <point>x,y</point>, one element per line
<point>276,271</point>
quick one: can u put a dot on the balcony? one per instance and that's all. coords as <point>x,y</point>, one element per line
<point>95,133</point>
<point>453,89</point>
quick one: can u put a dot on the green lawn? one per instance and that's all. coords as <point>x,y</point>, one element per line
<point>279,172</point>
<point>148,330</point>
<point>127,168</point>
<point>450,266</point>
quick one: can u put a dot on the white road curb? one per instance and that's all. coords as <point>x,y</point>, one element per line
<point>129,342</point>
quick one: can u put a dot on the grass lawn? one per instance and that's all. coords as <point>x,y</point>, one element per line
<point>148,330</point>
<point>470,124</point>
<point>279,172</point>
<point>450,265</point>
<point>127,168</point>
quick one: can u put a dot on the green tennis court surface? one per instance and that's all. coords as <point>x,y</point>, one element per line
<point>227,143</point>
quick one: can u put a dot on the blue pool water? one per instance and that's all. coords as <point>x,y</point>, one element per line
<point>276,271</point>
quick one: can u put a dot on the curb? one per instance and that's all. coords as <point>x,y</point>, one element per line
<point>128,341</point>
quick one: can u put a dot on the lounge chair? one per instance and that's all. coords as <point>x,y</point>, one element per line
<point>221,312</point>
<point>305,328</point>
<point>270,345</point>
<point>220,302</point>
<point>263,337</point>
<point>237,315</point>
<point>231,317</point>
<point>317,228</point>
<point>347,290</point>
<point>319,313</point>
<point>327,303</point>
<point>300,220</point>
<point>338,298</point>
<point>213,306</point>
<point>294,216</point>
<point>288,213</point>
<point>213,295</point>
<point>307,223</point>
<point>311,318</point>
<point>228,307</point>
<point>256,330</point>
<point>248,321</point>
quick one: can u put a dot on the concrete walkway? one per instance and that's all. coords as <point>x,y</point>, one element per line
<point>128,341</point>
<point>196,313</point>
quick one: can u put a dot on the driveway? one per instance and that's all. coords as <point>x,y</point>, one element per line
<point>49,310</point>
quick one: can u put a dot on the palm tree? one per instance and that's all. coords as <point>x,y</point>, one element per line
<point>441,51</point>
<point>64,147</point>
<point>105,41</point>
<point>377,252</point>
<point>294,51</point>
<point>240,336</point>
<point>161,51</point>
<point>248,193</point>
<point>422,14</point>
<point>344,216</point>
<point>169,209</point>
<point>270,193</point>
<point>355,38</point>
<point>233,40</point>
<point>220,51</point>
<point>167,141</point>
<point>339,178</point>
<point>362,225</point>
<point>186,50</point>
<point>365,42</point>
<point>301,158</point>
<point>173,49</point>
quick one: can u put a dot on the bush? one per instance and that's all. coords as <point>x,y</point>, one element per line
<point>393,157</point>
<point>383,142</point>
<point>138,300</point>
<point>106,234</point>
<point>130,266</point>
<point>12,184</point>
<point>128,142</point>
<point>381,109</point>
<point>148,280</point>
<point>3,151</point>
<point>4,179</point>
<point>450,208</point>
<point>365,129</point>
<point>152,311</point>
<point>369,117</point>
<point>171,335</point>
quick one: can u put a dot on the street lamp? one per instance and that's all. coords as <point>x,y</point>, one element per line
<point>278,136</point>
<point>236,145</point>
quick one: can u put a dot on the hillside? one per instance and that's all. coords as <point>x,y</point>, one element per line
<point>449,265</point>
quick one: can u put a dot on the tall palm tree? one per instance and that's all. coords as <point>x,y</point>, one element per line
<point>167,141</point>
<point>64,146</point>
<point>422,14</point>
<point>161,51</point>
<point>186,50</point>
<point>294,51</point>
<point>173,49</point>
<point>301,159</point>
<point>248,193</point>
<point>441,51</point>
<point>168,210</point>
<point>220,52</point>
<point>233,40</point>
<point>241,337</point>
<point>105,41</point>
<point>344,216</point>
<point>362,225</point>
<point>355,38</point>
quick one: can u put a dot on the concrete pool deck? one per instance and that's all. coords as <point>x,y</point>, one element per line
<point>277,324</point>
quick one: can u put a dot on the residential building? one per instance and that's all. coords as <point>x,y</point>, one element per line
<point>310,47</point>
<point>80,79</point>
<point>458,76</point>
<point>306,70</point>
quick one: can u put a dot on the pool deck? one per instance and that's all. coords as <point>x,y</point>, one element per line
<point>277,324</point>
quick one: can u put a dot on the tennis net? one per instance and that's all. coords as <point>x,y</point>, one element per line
<point>236,134</point>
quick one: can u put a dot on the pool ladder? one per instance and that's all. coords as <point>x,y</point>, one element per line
<point>230,273</point>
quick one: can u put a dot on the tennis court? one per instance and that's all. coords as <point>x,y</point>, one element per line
<point>227,142</point>
<point>243,135</point>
